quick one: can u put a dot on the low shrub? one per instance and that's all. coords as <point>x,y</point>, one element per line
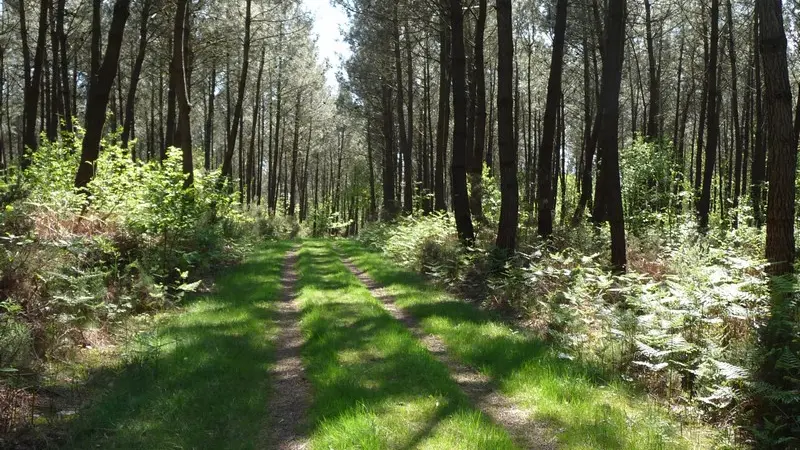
<point>135,241</point>
<point>683,321</point>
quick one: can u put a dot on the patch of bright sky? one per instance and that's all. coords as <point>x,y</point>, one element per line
<point>329,20</point>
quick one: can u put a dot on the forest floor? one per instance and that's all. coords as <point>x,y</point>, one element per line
<point>323,344</point>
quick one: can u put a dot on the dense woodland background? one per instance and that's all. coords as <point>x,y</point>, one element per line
<point>542,148</point>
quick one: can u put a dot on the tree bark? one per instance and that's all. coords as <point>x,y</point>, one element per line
<point>781,142</point>
<point>443,120</point>
<point>509,192</point>
<point>478,109</point>
<point>609,139</point>
<point>458,174</point>
<point>135,74</point>
<point>704,205</point>
<point>227,162</point>
<point>405,147</point>
<point>295,151</point>
<point>184,130</point>
<point>32,89</point>
<point>99,92</point>
<point>546,150</point>
<point>653,73</point>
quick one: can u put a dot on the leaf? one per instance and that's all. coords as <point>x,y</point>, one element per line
<point>653,367</point>
<point>729,371</point>
<point>189,287</point>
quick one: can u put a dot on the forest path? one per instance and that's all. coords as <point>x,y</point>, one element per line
<point>296,349</point>
<point>481,390</point>
<point>198,376</point>
<point>517,377</point>
<point>290,390</point>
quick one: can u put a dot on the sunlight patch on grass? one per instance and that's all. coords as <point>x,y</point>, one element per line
<point>375,386</point>
<point>198,377</point>
<point>585,405</point>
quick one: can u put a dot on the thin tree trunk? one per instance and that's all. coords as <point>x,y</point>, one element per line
<point>295,151</point>
<point>184,130</point>
<point>208,141</point>
<point>704,204</point>
<point>458,174</point>
<point>443,121</point>
<point>478,110</point>
<point>653,72</point>
<point>545,176</point>
<point>227,163</point>
<point>135,73</point>
<point>509,192</point>
<point>99,92</point>
<point>33,88</point>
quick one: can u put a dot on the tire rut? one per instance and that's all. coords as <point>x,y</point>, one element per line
<point>290,387</point>
<point>524,431</point>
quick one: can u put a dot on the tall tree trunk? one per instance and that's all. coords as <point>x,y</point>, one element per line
<point>759,152</point>
<point>409,170</point>
<point>227,162</point>
<point>179,60</point>
<point>458,174</point>
<point>32,89</point>
<point>701,128</point>
<point>544,177</point>
<point>478,110</point>
<point>295,151</point>
<point>389,207</point>
<point>509,192</point>
<point>653,73</point>
<point>208,138</point>
<point>590,135</point>
<point>609,139</point>
<point>135,74</point>
<point>99,92</point>
<point>704,205</point>
<point>443,121</point>
<point>64,69</point>
<point>251,172</point>
<point>405,148</point>
<point>777,417</point>
<point>56,109</point>
<point>372,203</point>
<point>737,132</point>
<point>781,142</point>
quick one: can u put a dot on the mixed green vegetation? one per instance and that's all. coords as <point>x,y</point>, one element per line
<point>375,386</point>
<point>590,405</point>
<point>603,194</point>
<point>196,377</point>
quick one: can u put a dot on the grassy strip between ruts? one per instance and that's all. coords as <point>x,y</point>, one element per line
<point>374,384</point>
<point>589,409</point>
<point>199,379</point>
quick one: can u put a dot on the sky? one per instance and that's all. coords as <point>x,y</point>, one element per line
<point>328,20</point>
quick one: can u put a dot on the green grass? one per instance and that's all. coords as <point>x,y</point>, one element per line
<point>199,379</point>
<point>591,408</point>
<point>375,386</point>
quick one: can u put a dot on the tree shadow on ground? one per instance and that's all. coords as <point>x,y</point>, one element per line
<point>363,364</point>
<point>199,380</point>
<point>513,357</point>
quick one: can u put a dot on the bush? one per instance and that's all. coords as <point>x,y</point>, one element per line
<point>682,321</point>
<point>135,241</point>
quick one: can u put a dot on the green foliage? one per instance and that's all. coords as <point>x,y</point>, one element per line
<point>135,240</point>
<point>646,173</point>
<point>778,384</point>
<point>426,244</point>
<point>682,322</point>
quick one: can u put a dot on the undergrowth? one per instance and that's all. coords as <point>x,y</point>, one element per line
<point>682,323</point>
<point>73,264</point>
